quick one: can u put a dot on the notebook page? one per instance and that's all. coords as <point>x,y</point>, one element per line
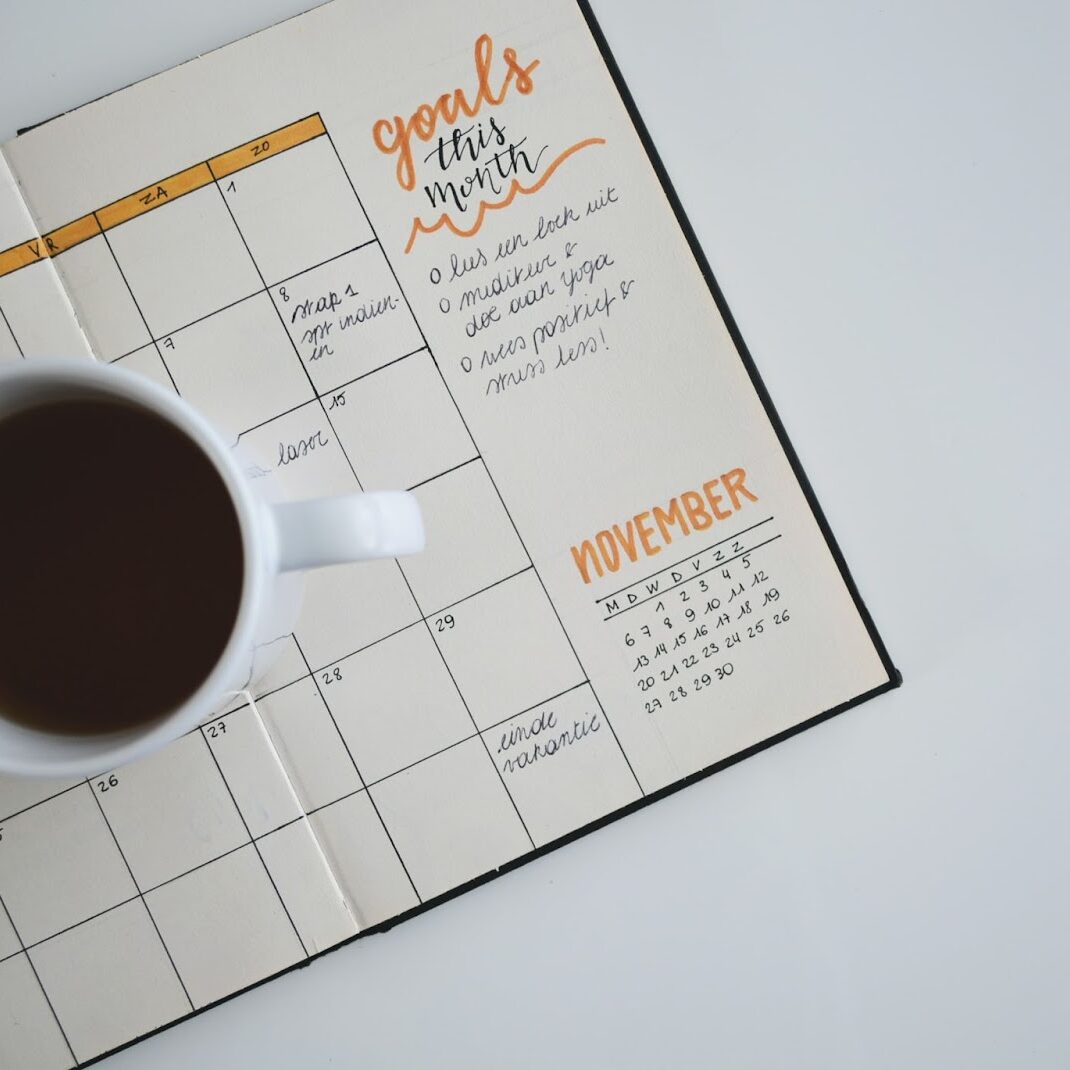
<point>440,260</point>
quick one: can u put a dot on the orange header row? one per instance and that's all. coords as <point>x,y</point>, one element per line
<point>255,151</point>
<point>167,189</point>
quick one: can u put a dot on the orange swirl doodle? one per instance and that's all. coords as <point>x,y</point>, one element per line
<point>420,227</point>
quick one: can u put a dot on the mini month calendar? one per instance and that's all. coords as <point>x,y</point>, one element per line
<point>430,247</point>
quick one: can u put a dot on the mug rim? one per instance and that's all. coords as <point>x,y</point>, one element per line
<point>107,379</point>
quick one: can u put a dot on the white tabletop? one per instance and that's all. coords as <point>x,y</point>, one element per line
<point>881,190</point>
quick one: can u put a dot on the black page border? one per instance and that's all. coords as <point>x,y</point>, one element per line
<point>894,680</point>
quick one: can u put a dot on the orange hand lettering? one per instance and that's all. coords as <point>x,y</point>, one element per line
<point>395,135</point>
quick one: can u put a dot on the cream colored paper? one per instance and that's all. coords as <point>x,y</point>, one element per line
<point>624,582</point>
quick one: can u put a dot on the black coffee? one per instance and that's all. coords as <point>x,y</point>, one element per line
<point>120,566</point>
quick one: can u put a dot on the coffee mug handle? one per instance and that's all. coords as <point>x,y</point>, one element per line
<point>351,527</point>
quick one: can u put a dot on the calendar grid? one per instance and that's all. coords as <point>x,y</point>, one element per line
<point>453,752</point>
<point>165,883</point>
<point>375,642</point>
<point>157,340</point>
<point>360,776</point>
<point>490,476</point>
<point>140,893</point>
<point>365,785</point>
<point>253,843</point>
<point>352,468</point>
<point>468,739</point>
<point>77,924</point>
<point>282,323</point>
<point>154,340</point>
<point>166,191</point>
<point>134,300</point>
<point>356,478</point>
<point>468,710</point>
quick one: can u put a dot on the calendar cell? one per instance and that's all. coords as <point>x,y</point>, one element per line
<point>69,827</point>
<point>29,1034</point>
<point>251,769</point>
<point>308,745</point>
<point>162,192</point>
<point>350,606</point>
<point>142,990</point>
<point>450,818</point>
<point>301,451</point>
<point>225,926</point>
<point>400,426</point>
<point>296,210</point>
<point>308,887</point>
<point>562,764</point>
<point>147,362</point>
<point>237,366</point>
<point>266,147</point>
<point>471,542</point>
<point>506,649</point>
<point>361,856</point>
<point>171,811</point>
<point>184,260</point>
<point>394,703</point>
<point>347,317</point>
<point>108,314</point>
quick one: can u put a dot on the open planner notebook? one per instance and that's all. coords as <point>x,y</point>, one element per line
<point>423,246</point>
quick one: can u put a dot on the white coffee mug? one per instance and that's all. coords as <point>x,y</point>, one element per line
<point>279,539</point>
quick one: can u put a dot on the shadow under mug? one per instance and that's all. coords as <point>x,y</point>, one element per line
<point>279,540</point>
